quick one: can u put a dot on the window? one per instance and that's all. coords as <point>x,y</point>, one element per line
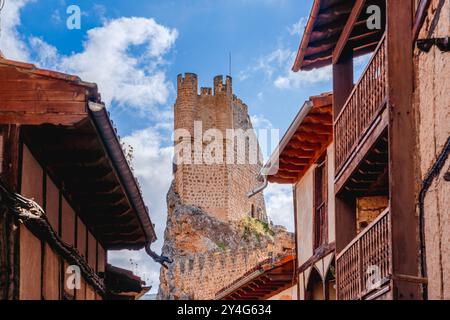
<point>320,203</point>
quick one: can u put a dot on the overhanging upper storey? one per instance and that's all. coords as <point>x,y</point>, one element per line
<point>66,126</point>
<point>335,26</point>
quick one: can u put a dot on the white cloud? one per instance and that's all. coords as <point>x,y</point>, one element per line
<point>295,80</point>
<point>279,203</point>
<point>277,68</point>
<point>152,163</point>
<point>124,57</point>
<point>268,64</point>
<point>260,122</point>
<point>12,44</point>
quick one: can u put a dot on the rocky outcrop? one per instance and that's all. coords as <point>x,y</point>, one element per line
<point>208,253</point>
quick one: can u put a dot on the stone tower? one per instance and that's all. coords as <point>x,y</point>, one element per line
<point>214,233</point>
<point>218,187</point>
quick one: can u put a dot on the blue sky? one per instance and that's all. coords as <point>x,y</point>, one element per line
<point>135,49</point>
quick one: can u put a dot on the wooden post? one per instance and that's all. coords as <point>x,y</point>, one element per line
<point>402,148</point>
<point>342,81</point>
<point>345,221</point>
<point>11,158</point>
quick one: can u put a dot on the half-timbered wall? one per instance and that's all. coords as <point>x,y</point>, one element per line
<point>42,272</point>
<point>432,87</point>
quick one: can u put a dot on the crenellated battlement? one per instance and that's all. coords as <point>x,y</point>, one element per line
<point>223,88</point>
<point>187,84</point>
<point>202,269</point>
<point>238,102</point>
<point>217,194</point>
<point>206,92</point>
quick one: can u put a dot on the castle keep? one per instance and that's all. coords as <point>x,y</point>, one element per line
<point>215,233</point>
<point>219,188</point>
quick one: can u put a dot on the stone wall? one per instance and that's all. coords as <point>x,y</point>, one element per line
<point>432,108</point>
<point>201,276</point>
<point>368,209</point>
<point>210,254</point>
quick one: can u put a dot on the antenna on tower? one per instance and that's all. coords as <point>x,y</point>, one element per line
<point>2,3</point>
<point>229,70</point>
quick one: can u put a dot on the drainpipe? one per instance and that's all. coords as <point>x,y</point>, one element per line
<point>259,189</point>
<point>162,260</point>
<point>431,176</point>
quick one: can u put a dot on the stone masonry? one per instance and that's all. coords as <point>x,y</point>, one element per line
<point>214,232</point>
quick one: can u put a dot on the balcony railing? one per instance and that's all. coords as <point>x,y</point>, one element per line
<point>366,262</point>
<point>364,103</point>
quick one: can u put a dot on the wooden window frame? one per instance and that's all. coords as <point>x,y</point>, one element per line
<point>320,220</point>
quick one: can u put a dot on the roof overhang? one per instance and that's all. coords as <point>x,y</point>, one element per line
<point>265,281</point>
<point>307,138</point>
<point>66,126</point>
<point>337,24</point>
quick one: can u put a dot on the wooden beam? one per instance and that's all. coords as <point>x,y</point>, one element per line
<point>294,161</point>
<point>346,32</point>
<point>303,136</point>
<point>326,119</point>
<point>12,156</point>
<point>402,148</point>
<point>317,128</point>
<point>287,174</point>
<point>292,168</point>
<point>305,145</point>
<point>18,118</point>
<point>280,180</point>
<point>298,152</point>
<point>342,81</point>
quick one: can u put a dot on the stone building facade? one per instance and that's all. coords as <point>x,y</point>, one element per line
<point>432,109</point>
<point>215,233</point>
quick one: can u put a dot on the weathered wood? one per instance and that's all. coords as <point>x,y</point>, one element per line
<point>30,266</point>
<point>342,81</point>
<point>11,159</point>
<point>377,129</point>
<point>51,276</point>
<point>362,106</point>
<point>348,28</point>
<point>402,148</point>
<point>18,118</point>
<point>370,248</point>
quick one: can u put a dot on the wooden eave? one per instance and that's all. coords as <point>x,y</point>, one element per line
<point>68,129</point>
<point>269,279</point>
<point>328,20</point>
<point>122,281</point>
<point>306,139</point>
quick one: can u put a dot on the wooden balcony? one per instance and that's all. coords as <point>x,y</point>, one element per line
<point>366,101</point>
<point>370,250</point>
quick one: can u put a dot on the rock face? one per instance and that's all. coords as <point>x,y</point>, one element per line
<point>209,254</point>
<point>215,233</point>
